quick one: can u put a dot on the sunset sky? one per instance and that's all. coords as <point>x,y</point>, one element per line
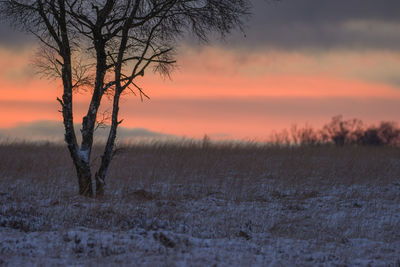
<point>299,61</point>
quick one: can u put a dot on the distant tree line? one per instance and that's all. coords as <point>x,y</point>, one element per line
<point>341,132</point>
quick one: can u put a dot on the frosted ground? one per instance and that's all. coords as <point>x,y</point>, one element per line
<point>188,205</point>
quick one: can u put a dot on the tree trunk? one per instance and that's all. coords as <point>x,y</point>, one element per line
<point>100,184</point>
<point>85,180</point>
<point>109,149</point>
<point>81,164</point>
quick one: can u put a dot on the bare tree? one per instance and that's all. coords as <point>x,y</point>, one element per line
<point>104,45</point>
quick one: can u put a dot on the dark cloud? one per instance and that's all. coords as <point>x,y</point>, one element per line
<point>316,11</point>
<point>54,131</point>
<point>303,24</point>
<point>322,24</point>
<point>12,38</point>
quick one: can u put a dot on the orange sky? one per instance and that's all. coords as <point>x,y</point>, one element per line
<point>227,93</point>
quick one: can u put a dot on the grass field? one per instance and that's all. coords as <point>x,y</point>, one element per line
<point>203,204</point>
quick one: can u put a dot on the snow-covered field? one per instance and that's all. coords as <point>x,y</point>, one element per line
<point>175,205</point>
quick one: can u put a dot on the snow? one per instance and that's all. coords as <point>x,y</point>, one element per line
<point>184,208</point>
<point>155,248</point>
<point>84,155</point>
<point>213,230</point>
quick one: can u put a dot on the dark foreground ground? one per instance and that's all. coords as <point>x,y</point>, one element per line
<point>193,205</point>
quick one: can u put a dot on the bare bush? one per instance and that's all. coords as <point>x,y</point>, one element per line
<point>340,132</point>
<point>305,136</point>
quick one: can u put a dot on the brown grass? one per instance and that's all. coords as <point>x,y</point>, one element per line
<point>324,194</point>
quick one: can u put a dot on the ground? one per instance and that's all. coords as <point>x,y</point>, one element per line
<point>194,205</point>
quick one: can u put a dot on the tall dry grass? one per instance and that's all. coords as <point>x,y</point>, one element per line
<point>210,190</point>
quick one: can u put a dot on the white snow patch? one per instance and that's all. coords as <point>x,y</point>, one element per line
<point>84,155</point>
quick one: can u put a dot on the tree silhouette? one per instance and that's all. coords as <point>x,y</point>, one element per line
<point>104,45</point>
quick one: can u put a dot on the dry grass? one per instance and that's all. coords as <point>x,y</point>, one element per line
<point>329,197</point>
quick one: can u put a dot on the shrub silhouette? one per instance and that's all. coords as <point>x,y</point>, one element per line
<point>389,133</point>
<point>305,136</point>
<point>386,133</point>
<point>371,137</point>
<point>341,132</point>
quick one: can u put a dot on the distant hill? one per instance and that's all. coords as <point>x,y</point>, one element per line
<point>54,131</point>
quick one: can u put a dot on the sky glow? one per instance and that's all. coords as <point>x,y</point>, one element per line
<point>304,66</point>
